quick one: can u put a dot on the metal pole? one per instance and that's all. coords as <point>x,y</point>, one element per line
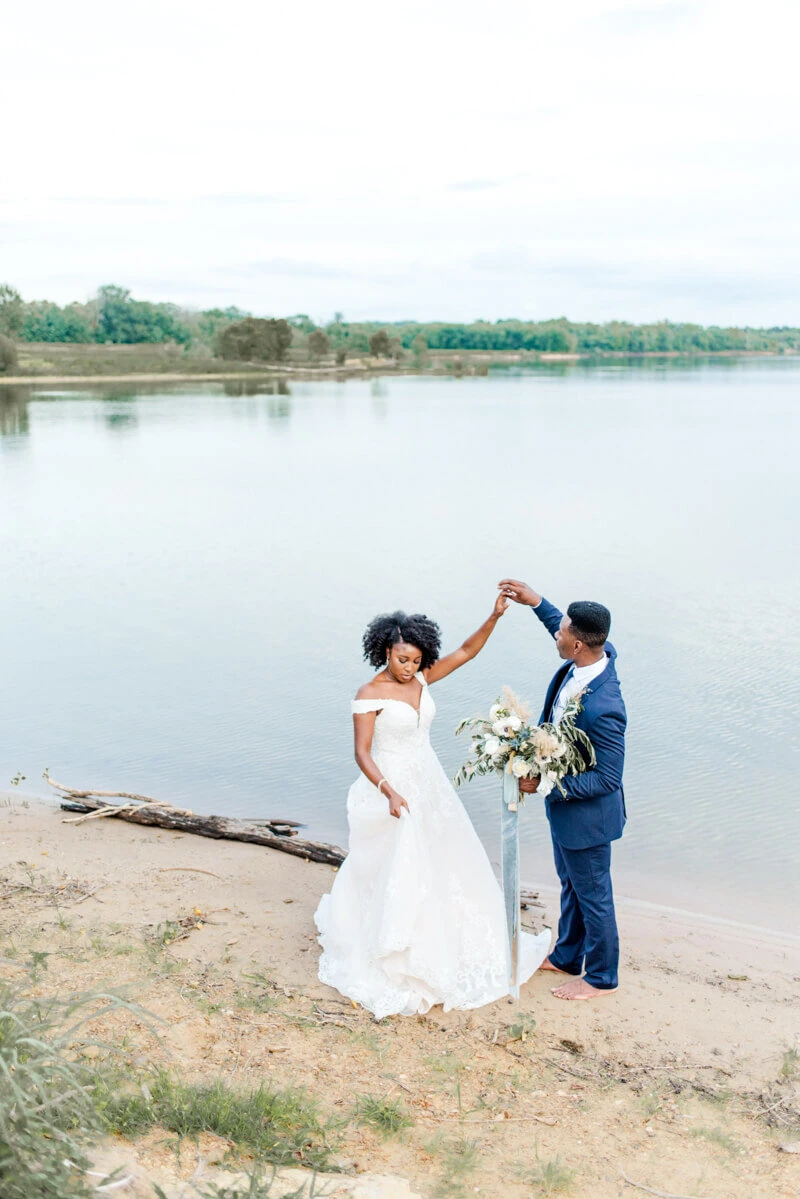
<point>509,837</point>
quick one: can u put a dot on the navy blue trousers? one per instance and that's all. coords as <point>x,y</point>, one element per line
<point>587,926</point>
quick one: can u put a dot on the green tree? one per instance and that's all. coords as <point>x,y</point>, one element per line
<point>302,322</point>
<point>8,355</point>
<point>255,340</point>
<point>380,345</point>
<point>419,348</point>
<point>319,344</point>
<point>12,311</point>
<point>47,322</point>
<point>208,323</point>
<point>125,321</point>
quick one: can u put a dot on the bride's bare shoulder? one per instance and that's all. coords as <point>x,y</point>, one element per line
<point>371,690</point>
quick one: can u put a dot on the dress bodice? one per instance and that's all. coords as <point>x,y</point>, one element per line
<point>399,728</point>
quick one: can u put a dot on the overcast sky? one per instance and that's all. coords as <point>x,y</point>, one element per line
<point>445,159</point>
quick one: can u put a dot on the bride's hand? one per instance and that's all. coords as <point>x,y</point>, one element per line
<point>501,604</point>
<point>396,804</point>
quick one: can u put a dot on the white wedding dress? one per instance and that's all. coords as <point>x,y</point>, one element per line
<point>415,916</point>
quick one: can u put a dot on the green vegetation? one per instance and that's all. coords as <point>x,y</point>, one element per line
<point>8,355</point>
<point>386,1115</point>
<point>114,318</point>
<point>568,337</point>
<point>458,1157</point>
<point>790,1066</point>
<point>254,340</point>
<point>551,1177</point>
<point>718,1136</point>
<point>278,1126</point>
<point>47,1102</point>
<point>319,344</point>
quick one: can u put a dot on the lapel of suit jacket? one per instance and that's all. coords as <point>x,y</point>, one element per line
<point>553,690</point>
<point>596,684</point>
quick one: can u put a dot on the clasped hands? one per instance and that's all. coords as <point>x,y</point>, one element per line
<point>521,593</point>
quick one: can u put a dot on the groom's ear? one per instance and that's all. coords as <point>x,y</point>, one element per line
<point>578,644</point>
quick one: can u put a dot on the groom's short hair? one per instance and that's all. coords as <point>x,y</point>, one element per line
<point>590,622</point>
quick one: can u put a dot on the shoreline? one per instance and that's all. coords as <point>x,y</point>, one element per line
<point>442,363</point>
<point>633,905</point>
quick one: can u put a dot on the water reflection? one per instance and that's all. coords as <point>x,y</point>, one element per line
<point>634,367</point>
<point>119,411</point>
<point>257,387</point>
<point>14,411</point>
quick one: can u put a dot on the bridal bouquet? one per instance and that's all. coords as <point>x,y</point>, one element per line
<point>507,741</point>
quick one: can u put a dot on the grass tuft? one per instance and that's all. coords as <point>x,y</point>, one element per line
<point>46,1099</point>
<point>282,1127</point>
<point>551,1177</point>
<point>388,1116</point>
<point>790,1066</point>
<point>717,1136</point>
<point>457,1157</point>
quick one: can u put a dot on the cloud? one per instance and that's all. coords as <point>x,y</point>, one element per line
<point>223,199</point>
<point>641,21</point>
<point>480,185</point>
<point>287,267</point>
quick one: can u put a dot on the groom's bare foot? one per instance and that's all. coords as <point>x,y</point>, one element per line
<point>578,988</point>
<point>548,965</point>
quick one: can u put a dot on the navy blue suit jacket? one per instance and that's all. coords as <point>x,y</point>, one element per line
<point>593,812</point>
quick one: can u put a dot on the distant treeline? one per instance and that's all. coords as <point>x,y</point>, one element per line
<point>570,337</point>
<point>111,316</point>
<point>114,317</point>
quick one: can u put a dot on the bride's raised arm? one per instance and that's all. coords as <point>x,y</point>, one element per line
<point>471,647</point>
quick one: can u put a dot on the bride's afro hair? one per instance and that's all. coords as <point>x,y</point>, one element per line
<point>392,627</point>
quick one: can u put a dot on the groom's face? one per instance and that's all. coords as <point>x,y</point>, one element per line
<point>567,644</point>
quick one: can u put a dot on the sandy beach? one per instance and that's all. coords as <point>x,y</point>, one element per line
<point>684,1082</point>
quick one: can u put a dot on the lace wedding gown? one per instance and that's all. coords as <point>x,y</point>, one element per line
<point>416,915</point>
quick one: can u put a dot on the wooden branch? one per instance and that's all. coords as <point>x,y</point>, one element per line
<point>661,1194</point>
<point>280,835</point>
<point>143,799</point>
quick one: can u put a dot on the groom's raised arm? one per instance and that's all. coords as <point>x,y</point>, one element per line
<point>549,615</point>
<point>521,593</point>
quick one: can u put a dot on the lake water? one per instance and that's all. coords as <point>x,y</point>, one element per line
<point>187,571</point>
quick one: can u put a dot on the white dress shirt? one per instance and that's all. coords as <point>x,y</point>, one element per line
<point>576,681</point>
<point>577,678</point>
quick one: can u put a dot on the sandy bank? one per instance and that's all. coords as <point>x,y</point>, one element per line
<point>668,1082</point>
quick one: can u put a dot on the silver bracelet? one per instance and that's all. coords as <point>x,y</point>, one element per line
<point>380,785</point>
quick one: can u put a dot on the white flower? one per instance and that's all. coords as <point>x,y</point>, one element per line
<point>547,744</point>
<point>520,768</point>
<point>491,747</point>
<point>507,726</point>
<point>495,711</point>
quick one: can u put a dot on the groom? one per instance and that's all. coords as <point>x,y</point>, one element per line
<point>593,814</point>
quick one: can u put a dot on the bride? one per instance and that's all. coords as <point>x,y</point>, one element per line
<point>415,916</point>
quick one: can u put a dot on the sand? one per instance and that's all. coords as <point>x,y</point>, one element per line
<point>683,1081</point>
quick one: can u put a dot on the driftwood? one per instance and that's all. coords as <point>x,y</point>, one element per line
<point>141,809</point>
<point>530,899</point>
